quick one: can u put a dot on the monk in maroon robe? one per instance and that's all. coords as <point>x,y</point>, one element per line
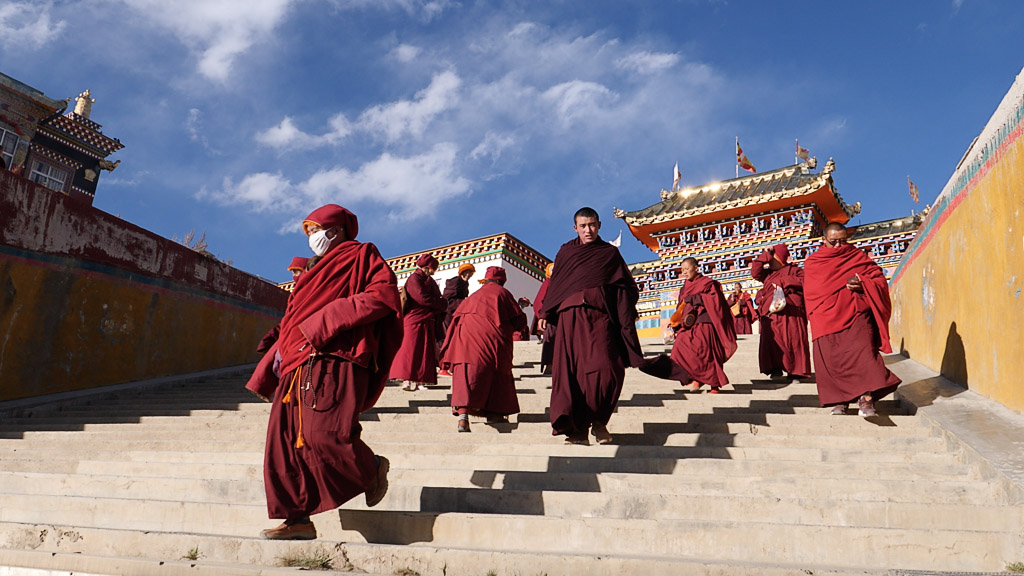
<point>523,334</point>
<point>456,289</point>
<point>547,338</point>
<point>296,267</point>
<point>340,331</point>
<point>741,305</point>
<point>478,347</point>
<point>416,362</point>
<point>705,336</point>
<point>783,346</point>
<point>590,306</point>
<point>849,308</point>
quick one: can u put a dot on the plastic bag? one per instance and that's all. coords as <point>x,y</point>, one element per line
<point>778,301</point>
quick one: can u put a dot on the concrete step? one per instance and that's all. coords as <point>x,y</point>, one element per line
<point>697,506</point>
<point>372,558</point>
<point>250,488</point>
<point>501,456</point>
<point>513,442</point>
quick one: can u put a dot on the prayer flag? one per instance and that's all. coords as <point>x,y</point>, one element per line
<point>913,190</point>
<point>676,176</point>
<point>802,153</point>
<point>742,159</point>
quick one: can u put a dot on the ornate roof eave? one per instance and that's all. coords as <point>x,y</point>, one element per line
<point>821,179</point>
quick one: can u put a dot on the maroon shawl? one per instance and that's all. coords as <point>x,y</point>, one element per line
<point>580,266</point>
<point>704,293</point>
<point>831,308</point>
<point>347,306</point>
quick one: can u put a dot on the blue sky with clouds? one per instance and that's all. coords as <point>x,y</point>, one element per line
<point>437,121</point>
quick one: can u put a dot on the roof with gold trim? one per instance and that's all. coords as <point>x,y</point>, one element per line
<point>788,182</point>
<point>905,225</point>
<point>511,248</point>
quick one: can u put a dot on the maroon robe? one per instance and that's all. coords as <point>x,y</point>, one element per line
<point>849,328</point>
<point>339,335</point>
<point>744,323</point>
<point>478,346</point>
<point>268,339</point>
<point>590,307</point>
<point>455,291</point>
<point>784,345</point>
<point>703,349</point>
<point>417,358</point>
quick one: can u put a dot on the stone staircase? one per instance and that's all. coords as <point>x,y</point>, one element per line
<point>756,480</point>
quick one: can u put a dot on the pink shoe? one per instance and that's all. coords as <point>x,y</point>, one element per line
<point>444,373</point>
<point>713,391</point>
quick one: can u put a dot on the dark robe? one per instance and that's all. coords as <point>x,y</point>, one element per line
<point>703,349</point>
<point>478,347</point>
<point>455,291</point>
<point>339,335</point>
<point>744,322</point>
<point>590,307</point>
<point>417,358</point>
<point>784,345</point>
<point>849,329</point>
<point>268,339</point>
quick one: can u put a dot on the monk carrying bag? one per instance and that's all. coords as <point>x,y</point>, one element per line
<point>778,301</point>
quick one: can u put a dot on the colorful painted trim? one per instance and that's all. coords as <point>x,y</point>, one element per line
<point>963,182</point>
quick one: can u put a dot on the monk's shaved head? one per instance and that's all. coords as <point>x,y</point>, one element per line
<point>833,227</point>
<point>688,269</point>
<point>585,212</point>
<point>691,260</point>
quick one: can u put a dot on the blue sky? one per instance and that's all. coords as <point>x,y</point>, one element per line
<point>437,121</point>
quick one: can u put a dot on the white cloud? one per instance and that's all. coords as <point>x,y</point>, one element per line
<point>406,52</point>
<point>426,10</point>
<point>647,62</point>
<point>27,24</point>
<point>287,136</point>
<point>492,146</point>
<point>411,117</point>
<point>218,32</point>
<point>259,192</point>
<point>407,187</point>
<point>576,99</point>
<point>194,127</point>
<point>411,186</point>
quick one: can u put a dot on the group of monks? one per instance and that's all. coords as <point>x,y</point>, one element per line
<point>348,329</point>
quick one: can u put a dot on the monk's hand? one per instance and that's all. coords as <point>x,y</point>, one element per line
<point>542,324</point>
<point>854,285</point>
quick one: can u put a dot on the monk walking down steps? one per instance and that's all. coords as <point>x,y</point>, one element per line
<point>340,332</point>
<point>705,337</point>
<point>478,351</point>
<point>590,310</point>
<point>849,308</point>
<point>783,352</point>
<point>416,362</point>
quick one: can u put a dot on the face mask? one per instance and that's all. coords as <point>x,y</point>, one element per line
<point>319,242</point>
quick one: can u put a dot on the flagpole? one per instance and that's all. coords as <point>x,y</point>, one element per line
<point>737,157</point>
<point>796,159</point>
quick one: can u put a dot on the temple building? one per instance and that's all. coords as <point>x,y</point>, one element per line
<point>725,225</point>
<point>64,152</point>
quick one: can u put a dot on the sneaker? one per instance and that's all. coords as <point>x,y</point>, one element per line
<point>376,494</point>
<point>408,386</point>
<point>444,373</point>
<point>286,531</point>
<point>866,407</point>
<point>694,386</point>
<point>421,387</point>
<point>838,410</point>
<point>464,425</point>
<point>601,433</point>
<point>714,391</point>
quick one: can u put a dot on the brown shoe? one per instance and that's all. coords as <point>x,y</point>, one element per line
<point>290,532</point>
<point>376,494</point>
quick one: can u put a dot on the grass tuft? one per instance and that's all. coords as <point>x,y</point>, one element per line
<point>1015,567</point>
<point>193,554</point>
<point>318,559</point>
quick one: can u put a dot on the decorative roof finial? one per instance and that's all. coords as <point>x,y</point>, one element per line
<point>830,167</point>
<point>83,104</point>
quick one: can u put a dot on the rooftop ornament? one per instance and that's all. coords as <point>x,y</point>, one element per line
<point>83,104</point>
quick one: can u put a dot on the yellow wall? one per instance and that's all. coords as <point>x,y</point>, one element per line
<point>63,329</point>
<point>958,296</point>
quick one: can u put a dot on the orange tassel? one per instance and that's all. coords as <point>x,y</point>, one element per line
<point>300,441</point>
<point>288,396</point>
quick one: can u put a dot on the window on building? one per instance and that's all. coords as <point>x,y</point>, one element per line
<point>49,176</point>
<point>8,145</point>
